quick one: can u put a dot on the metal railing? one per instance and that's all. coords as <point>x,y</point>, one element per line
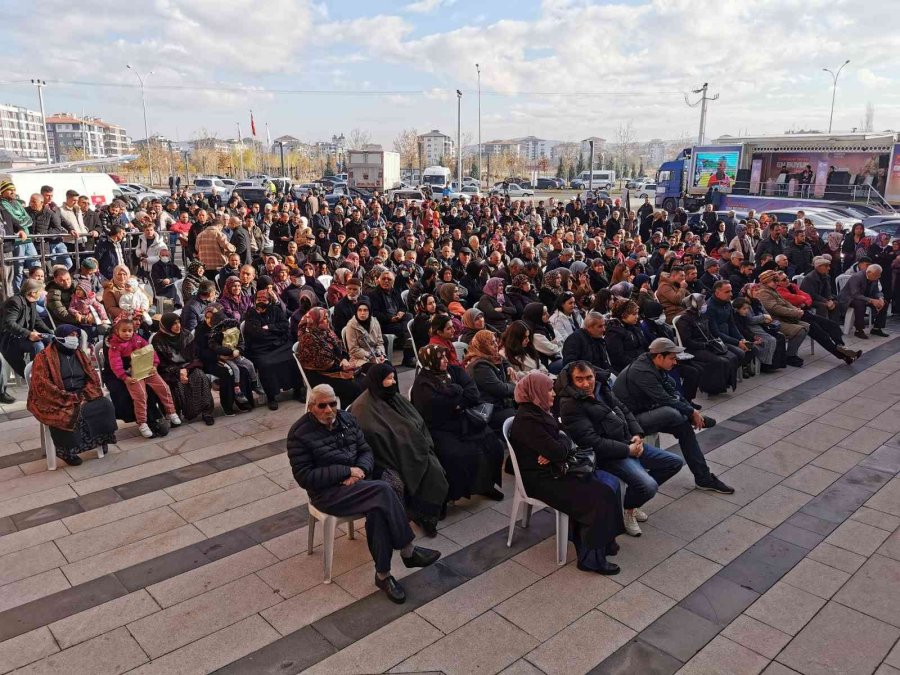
<point>860,194</point>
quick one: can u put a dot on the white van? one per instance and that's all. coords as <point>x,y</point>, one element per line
<point>603,179</point>
<point>436,177</point>
<point>98,186</point>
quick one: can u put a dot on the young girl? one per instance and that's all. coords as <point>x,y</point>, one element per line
<point>121,345</point>
<point>84,302</point>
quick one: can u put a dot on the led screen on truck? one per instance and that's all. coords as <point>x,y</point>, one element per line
<point>716,166</point>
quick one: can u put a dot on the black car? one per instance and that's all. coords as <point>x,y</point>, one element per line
<point>547,184</point>
<point>253,195</point>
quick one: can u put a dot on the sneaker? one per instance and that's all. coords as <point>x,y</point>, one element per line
<point>631,525</point>
<point>6,399</point>
<point>174,420</point>
<point>713,484</point>
<point>145,430</point>
<point>878,332</point>
<point>861,334</point>
<point>640,515</point>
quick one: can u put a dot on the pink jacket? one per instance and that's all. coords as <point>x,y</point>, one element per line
<point>119,350</point>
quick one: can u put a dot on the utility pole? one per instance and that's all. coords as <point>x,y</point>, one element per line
<point>241,151</point>
<point>702,103</point>
<point>834,77</point>
<point>591,165</point>
<point>480,168</point>
<point>146,126</point>
<point>458,140</point>
<point>281,148</point>
<point>40,84</point>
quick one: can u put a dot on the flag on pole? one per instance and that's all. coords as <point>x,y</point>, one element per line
<point>252,124</point>
<point>268,137</point>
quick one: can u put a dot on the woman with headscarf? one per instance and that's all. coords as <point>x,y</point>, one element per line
<point>497,313</point>
<point>441,332</point>
<point>401,442</point>
<point>426,307</point>
<point>218,342</point>
<point>195,274</point>
<point>324,359</point>
<point>520,293</point>
<point>640,291</point>
<point>552,288</point>
<point>280,279</point>
<point>115,288</point>
<point>234,302</point>
<point>549,349</point>
<point>592,502</point>
<point>66,395</point>
<point>363,337</point>
<point>334,259</point>
<point>473,321</point>
<point>268,345</point>
<point>338,287</point>
<point>492,374</point>
<point>470,454</point>
<point>474,280</point>
<point>719,370</point>
<point>182,370</point>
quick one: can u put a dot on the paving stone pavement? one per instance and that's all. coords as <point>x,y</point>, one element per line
<point>188,554</point>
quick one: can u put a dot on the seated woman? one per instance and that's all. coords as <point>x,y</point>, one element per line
<point>114,289</point>
<point>474,321</point>
<point>22,331</point>
<point>426,308</point>
<point>566,317</point>
<point>441,331</point>
<point>401,442</point>
<point>338,287</point>
<point>234,302</point>
<point>537,318</point>
<point>324,359</point>
<point>492,374</point>
<point>719,370</point>
<point>268,346</point>
<point>182,370</point>
<point>220,353</point>
<point>625,341</point>
<point>520,294</point>
<point>364,340</point>
<point>753,322</point>
<point>65,394</point>
<point>470,454</point>
<point>641,291</point>
<point>519,350</point>
<point>592,502</point>
<point>195,274</point>
<point>497,313</point>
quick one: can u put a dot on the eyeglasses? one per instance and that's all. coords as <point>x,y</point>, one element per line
<point>329,404</point>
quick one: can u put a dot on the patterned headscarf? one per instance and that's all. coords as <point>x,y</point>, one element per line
<point>535,388</point>
<point>484,346</point>
<point>193,268</point>
<point>312,319</point>
<point>430,357</point>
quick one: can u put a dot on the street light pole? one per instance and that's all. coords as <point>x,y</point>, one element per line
<point>40,84</point>
<point>480,168</point>
<point>458,138</point>
<point>834,77</point>
<point>146,126</point>
<point>591,167</point>
<point>281,148</point>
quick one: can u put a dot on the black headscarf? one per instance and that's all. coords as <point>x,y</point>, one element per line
<point>363,302</point>
<point>533,316</point>
<point>62,331</point>
<point>167,320</point>
<point>375,381</point>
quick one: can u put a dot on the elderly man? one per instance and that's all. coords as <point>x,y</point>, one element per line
<point>671,291</point>
<point>587,343</point>
<point>863,290</point>
<point>331,460</point>
<point>388,308</point>
<point>817,284</point>
<point>648,391</point>
<point>213,248</point>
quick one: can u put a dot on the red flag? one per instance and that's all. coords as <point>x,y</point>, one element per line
<point>252,124</point>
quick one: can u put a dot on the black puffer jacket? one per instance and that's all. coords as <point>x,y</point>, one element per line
<point>623,343</point>
<point>600,422</point>
<point>321,458</point>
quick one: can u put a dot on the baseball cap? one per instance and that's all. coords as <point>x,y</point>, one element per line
<point>663,345</point>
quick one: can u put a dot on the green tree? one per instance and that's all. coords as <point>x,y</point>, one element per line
<point>560,169</point>
<point>475,170</point>
<point>329,169</point>
<point>580,166</point>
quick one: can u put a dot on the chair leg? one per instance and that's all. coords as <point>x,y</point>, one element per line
<point>351,532</point>
<point>330,526</point>
<point>310,535</point>
<point>562,537</point>
<point>102,450</point>
<point>513,517</point>
<point>526,518</point>
<point>49,448</point>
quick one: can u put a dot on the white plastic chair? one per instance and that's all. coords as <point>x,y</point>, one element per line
<point>178,284</point>
<point>403,296</point>
<point>325,280</point>
<point>302,373</point>
<point>412,341</point>
<point>461,348</point>
<point>520,498</point>
<point>677,333</point>
<point>840,282</point>
<point>330,522</point>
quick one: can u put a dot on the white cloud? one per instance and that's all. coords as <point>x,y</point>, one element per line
<point>426,6</point>
<point>870,79</point>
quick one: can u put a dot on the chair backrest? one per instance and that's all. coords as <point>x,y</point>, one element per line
<point>178,284</point>
<point>302,372</point>
<point>344,338</point>
<point>461,348</point>
<point>325,280</point>
<point>404,294</point>
<point>797,278</point>
<point>28,367</point>
<point>841,281</point>
<point>507,425</point>
<point>412,341</point>
<point>677,332</point>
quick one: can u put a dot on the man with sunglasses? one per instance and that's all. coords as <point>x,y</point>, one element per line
<point>331,460</point>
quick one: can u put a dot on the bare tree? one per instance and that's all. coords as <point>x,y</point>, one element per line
<point>626,147</point>
<point>406,144</point>
<point>868,122</point>
<point>358,139</point>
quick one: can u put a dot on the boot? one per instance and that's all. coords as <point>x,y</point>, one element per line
<point>845,354</point>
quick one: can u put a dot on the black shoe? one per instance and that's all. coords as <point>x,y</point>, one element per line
<point>861,334</point>
<point>878,332</point>
<point>748,372</point>
<point>696,406</point>
<point>272,403</point>
<point>209,420</point>
<point>242,404</point>
<point>69,458</point>
<point>708,422</point>
<point>228,413</point>
<point>421,557</point>
<point>258,390</point>
<point>612,548</point>
<point>6,398</point>
<point>392,589</point>
<point>794,361</point>
<point>767,368</point>
<point>429,527</point>
<point>713,484</point>
<point>408,363</point>
<point>494,494</point>
<point>606,568</point>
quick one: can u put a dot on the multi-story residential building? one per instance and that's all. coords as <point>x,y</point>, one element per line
<point>88,137</point>
<point>335,147</point>
<point>656,152</point>
<point>434,147</point>
<point>22,132</point>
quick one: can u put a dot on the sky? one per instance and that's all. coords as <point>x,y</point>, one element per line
<point>557,69</point>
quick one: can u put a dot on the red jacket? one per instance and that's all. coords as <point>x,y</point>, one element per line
<point>119,350</point>
<point>795,296</point>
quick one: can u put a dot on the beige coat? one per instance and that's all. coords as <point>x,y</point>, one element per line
<point>782,310</point>
<point>364,346</point>
<point>670,298</point>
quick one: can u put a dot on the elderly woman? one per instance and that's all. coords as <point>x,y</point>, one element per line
<point>115,288</point>
<point>552,288</point>
<point>363,337</point>
<point>22,331</point>
<point>592,501</point>
<point>234,302</point>
<point>219,348</point>
<point>497,313</point>
<point>492,374</point>
<point>323,357</point>
<point>268,346</point>
<point>520,294</point>
<point>182,370</point>
<point>469,452</point>
<point>66,395</point>
<point>401,442</point>
<point>195,274</point>
<point>338,287</point>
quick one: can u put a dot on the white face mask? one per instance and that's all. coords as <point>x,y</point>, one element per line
<point>70,342</point>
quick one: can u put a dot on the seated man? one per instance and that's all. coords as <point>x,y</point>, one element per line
<point>587,343</point>
<point>646,388</point>
<point>596,420</point>
<point>388,308</point>
<point>331,460</point>
<point>671,292</point>
<point>817,284</point>
<point>862,290</point>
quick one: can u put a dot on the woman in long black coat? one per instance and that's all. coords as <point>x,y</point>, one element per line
<point>719,371</point>
<point>182,369</point>
<point>268,344</point>
<point>592,502</point>
<point>471,456</point>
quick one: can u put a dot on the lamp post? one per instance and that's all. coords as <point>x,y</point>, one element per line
<point>281,148</point>
<point>590,165</point>
<point>480,169</point>
<point>146,126</point>
<point>458,137</point>
<point>834,77</point>
<point>40,84</point>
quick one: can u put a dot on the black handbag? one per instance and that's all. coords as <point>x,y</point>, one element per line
<point>579,461</point>
<point>717,347</point>
<point>478,416</point>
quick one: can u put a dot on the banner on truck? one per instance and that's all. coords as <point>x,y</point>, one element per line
<point>892,190</point>
<point>716,166</point>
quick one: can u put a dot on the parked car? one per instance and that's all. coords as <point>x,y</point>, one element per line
<point>891,226</point>
<point>596,194</point>
<point>206,185</point>
<point>512,190</point>
<point>414,196</point>
<point>252,194</point>
<point>140,187</point>
<point>646,190</point>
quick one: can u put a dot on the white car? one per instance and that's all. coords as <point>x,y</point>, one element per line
<point>412,196</point>
<point>140,187</point>
<point>512,190</point>
<point>206,185</point>
<point>646,190</point>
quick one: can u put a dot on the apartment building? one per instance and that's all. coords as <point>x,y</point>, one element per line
<point>435,146</point>
<point>22,132</point>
